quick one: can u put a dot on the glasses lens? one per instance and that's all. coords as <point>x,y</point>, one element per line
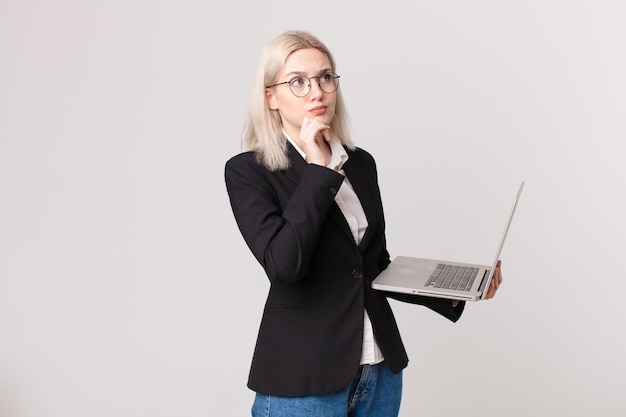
<point>329,82</point>
<point>300,86</point>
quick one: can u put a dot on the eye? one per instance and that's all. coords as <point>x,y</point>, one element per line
<point>298,82</point>
<point>326,78</point>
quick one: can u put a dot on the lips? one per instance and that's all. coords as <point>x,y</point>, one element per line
<point>318,110</point>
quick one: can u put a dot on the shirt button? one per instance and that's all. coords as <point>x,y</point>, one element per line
<point>357,274</point>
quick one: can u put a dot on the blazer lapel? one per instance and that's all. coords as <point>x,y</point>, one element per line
<point>298,164</point>
<point>363,192</point>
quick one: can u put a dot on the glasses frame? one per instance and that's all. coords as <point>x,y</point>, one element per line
<point>333,74</point>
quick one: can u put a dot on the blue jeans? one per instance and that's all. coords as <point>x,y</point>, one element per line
<point>374,392</point>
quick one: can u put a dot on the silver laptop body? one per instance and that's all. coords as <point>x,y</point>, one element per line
<point>442,279</point>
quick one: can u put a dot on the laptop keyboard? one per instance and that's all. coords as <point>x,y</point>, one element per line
<point>452,277</point>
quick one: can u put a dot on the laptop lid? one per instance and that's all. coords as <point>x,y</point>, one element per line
<point>485,285</point>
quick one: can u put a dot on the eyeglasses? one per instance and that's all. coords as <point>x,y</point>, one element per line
<point>300,86</point>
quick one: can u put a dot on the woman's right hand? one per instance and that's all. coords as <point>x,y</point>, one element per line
<point>314,138</point>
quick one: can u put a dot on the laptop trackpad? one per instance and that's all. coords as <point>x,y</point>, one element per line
<point>410,275</point>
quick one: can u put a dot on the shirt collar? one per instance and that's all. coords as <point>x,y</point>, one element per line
<point>339,155</point>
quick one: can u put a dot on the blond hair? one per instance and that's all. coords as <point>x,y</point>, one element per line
<point>262,132</point>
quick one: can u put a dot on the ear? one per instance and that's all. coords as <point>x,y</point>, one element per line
<point>270,100</point>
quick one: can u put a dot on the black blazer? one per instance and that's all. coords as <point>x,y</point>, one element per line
<point>311,333</point>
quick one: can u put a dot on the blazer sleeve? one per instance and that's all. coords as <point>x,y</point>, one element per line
<point>439,305</point>
<point>280,219</point>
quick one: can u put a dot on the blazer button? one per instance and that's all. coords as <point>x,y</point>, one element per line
<point>357,274</point>
<point>333,190</point>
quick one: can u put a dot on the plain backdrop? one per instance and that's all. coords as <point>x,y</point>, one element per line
<point>126,288</point>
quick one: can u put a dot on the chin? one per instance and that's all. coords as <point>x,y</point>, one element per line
<point>325,118</point>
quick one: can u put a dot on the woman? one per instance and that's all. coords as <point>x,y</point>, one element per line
<point>307,203</point>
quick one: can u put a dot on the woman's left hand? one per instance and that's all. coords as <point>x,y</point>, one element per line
<point>495,282</point>
<point>493,285</point>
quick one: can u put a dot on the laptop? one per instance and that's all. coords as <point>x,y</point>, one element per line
<point>442,279</point>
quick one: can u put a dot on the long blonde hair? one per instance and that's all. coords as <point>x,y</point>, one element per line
<point>262,132</point>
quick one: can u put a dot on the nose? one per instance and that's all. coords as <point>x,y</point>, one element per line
<point>315,89</point>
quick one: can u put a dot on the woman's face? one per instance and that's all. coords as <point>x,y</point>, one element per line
<point>315,105</point>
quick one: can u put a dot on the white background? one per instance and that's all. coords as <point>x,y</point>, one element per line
<point>126,289</point>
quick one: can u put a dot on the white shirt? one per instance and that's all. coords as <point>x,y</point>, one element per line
<point>352,210</point>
